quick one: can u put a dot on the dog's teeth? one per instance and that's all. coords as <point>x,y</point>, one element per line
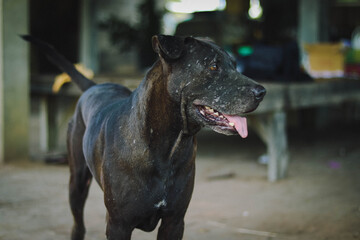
<point>221,116</point>
<point>216,113</point>
<point>232,124</point>
<point>207,108</point>
<point>211,110</point>
<point>202,112</point>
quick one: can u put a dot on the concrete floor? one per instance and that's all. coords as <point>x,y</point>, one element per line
<point>232,199</point>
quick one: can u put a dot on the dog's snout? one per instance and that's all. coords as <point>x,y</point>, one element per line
<point>259,92</point>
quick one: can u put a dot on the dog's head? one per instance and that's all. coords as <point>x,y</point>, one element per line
<point>204,79</point>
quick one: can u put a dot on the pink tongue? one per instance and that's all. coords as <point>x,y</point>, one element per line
<point>240,124</point>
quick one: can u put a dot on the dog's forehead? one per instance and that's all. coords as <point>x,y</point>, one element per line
<point>211,51</point>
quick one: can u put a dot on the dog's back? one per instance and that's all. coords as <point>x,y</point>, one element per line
<point>101,97</point>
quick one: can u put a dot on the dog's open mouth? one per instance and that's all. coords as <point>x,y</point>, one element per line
<point>223,121</point>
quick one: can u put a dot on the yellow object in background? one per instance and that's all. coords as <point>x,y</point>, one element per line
<point>325,60</point>
<point>63,78</point>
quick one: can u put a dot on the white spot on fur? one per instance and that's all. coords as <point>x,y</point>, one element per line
<point>160,204</point>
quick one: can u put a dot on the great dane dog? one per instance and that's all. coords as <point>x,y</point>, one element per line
<point>140,146</point>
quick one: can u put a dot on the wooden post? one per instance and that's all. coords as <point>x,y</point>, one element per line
<point>38,127</point>
<point>277,146</point>
<point>271,127</point>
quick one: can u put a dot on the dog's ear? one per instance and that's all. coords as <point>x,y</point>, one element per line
<point>168,47</point>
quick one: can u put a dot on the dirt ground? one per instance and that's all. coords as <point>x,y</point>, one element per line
<point>232,199</point>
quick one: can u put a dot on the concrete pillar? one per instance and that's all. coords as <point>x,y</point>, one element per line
<point>88,38</point>
<point>309,21</point>
<point>314,28</point>
<point>313,21</point>
<point>1,88</point>
<point>15,80</point>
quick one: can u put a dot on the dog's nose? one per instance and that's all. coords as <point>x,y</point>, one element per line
<point>259,92</point>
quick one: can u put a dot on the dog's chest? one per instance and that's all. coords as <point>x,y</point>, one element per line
<point>166,190</point>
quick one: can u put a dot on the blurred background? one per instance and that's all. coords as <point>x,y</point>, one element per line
<point>273,41</point>
<point>295,177</point>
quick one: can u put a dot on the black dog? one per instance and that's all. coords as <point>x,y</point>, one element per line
<point>140,146</point>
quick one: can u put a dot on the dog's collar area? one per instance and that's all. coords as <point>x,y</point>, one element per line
<point>226,122</point>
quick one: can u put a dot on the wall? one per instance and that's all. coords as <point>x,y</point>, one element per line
<point>14,85</point>
<point>1,88</point>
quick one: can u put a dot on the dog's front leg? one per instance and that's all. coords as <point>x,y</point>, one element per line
<point>116,231</point>
<point>171,228</point>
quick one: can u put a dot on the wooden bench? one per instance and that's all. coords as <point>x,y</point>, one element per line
<point>269,120</point>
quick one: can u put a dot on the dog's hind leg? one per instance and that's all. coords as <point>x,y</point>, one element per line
<point>80,177</point>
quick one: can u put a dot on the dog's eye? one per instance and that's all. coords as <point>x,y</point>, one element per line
<point>213,67</point>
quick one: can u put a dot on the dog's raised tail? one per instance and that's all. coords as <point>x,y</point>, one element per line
<point>61,62</point>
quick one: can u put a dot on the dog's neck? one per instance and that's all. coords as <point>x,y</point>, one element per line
<point>161,117</point>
